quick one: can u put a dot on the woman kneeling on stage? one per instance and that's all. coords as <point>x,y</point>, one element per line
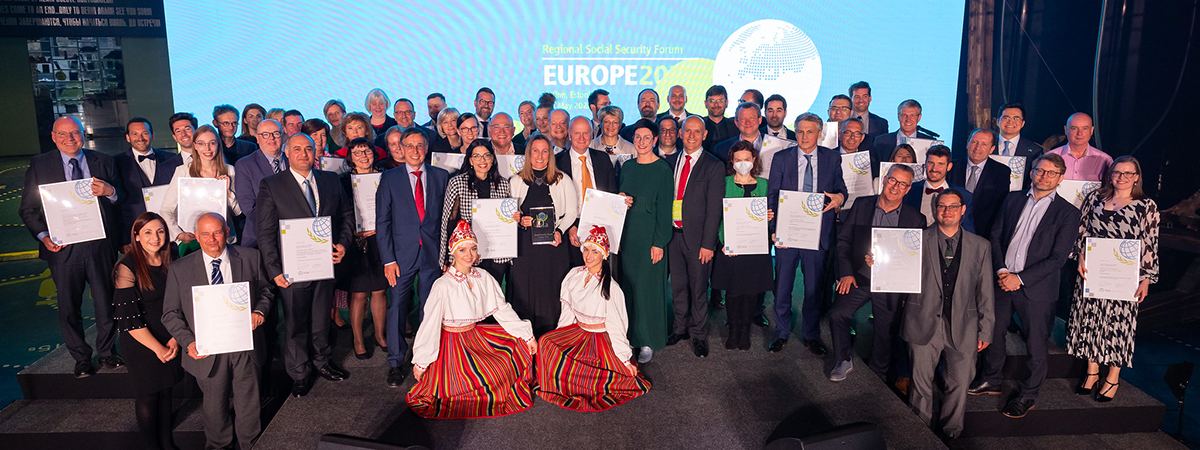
<point>584,365</point>
<point>464,370</point>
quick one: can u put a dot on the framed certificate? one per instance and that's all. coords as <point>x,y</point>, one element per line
<point>222,316</point>
<point>856,172</point>
<point>921,145</point>
<point>364,186</point>
<point>770,146</point>
<point>494,227</point>
<point>620,158</point>
<point>1016,168</point>
<point>449,161</point>
<point>1075,191</point>
<point>1114,268</point>
<point>798,220</point>
<point>509,165</point>
<point>334,164</point>
<point>307,249</point>
<point>199,196</point>
<point>897,255</point>
<point>154,198</point>
<point>746,226</point>
<point>72,212</point>
<point>606,210</point>
<point>829,135</point>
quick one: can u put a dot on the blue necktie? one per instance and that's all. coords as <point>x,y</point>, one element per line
<point>308,194</point>
<point>216,272</point>
<point>76,171</point>
<point>808,175</point>
<point>1006,143</point>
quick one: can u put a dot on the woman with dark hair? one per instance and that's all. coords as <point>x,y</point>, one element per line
<point>252,115</point>
<point>744,277</point>
<point>361,271</point>
<point>318,131</point>
<point>468,129</point>
<point>584,364</point>
<point>207,162</point>
<point>903,153</point>
<point>1099,330</point>
<point>648,180</point>
<point>150,351</point>
<point>477,179</point>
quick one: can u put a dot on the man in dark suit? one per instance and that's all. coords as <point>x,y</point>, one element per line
<point>717,127</point>
<point>986,179</point>
<point>860,96</point>
<point>747,117</point>
<point>647,107</point>
<point>502,136</point>
<point>676,100</point>
<point>183,128</point>
<point>854,276</point>
<point>698,187</point>
<point>909,114</point>
<point>268,160</point>
<point>225,118</point>
<point>776,114</point>
<point>298,193</point>
<point>229,377</point>
<point>485,103</point>
<point>923,194</point>
<point>1010,119</point>
<point>951,319</point>
<point>85,263</point>
<point>140,167</point>
<point>805,168</point>
<point>1034,234</point>
<point>434,103</point>
<point>408,206</point>
<point>588,168</point>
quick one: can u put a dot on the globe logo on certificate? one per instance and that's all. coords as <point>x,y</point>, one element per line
<point>772,56</point>
<point>83,192</point>
<point>1016,164</point>
<point>1127,252</point>
<point>813,204</point>
<point>321,230</point>
<point>507,208</point>
<point>918,172</point>
<point>912,241</point>
<point>757,209</point>
<point>1087,188</point>
<point>239,298</point>
<point>517,164</point>
<point>861,163</point>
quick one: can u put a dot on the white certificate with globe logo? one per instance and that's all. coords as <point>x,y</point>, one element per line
<point>72,212</point>
<point>449,161</point>
<point>603,209</point>
<point>1016,168</point>
<point>746,226</point>
<point>1114,268</point>
<point>307,249</point>
<point>199,196</point>
<point>222,318</point>
<point>856,172</point>
<point>364,186</point>
<point>509,165</point>
<point>897,255</point>
<point>798,220</point>
<point>334,164</point>
<point>1075,191</point>
<point>829,135</point>
<point>770,146</point>
<point>884,167</point>
<point>494,227</point>
<point>154,196</point>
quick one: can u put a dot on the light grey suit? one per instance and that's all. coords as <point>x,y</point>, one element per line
<point>226,375</point>
<point>930,340</point>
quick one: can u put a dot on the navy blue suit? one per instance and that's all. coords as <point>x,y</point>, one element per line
<point>133,179</point>
<point>785,175</point>
<point>410,242</point>
<point>1025,147</point>
<point>884,145</point>
<point>251,170</point>
<point>238,151</point>
<point>787,134</point>
<point>913,198</point>
<point>990,190</point>
<point>876,126</point>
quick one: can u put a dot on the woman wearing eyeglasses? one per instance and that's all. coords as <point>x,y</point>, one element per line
<point>361,271</point>
<point>477,179</point>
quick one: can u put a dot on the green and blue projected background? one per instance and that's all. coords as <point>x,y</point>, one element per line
<point>300,54</point>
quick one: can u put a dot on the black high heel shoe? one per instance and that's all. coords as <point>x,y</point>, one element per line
<point>1100,397</point>
<point>1080,390</point>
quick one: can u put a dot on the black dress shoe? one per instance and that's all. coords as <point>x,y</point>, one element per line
<point>700,347</point>
<point>332,373</point>
<point>395,377</point>
<point>112,361</point>
<point>983,388</point>
<point>1017,407</point>
<point>675,338</point>
<point>363,355</point>
<point>760,320</point>
<point>815,347</point>
<point>84,369</point>
<point>300,387</point>
<point>776,345</point>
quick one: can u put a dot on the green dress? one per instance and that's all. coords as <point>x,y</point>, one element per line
<point>647,224</point>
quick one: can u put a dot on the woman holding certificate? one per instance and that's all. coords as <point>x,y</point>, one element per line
<point>643,269</point>
<point>584,364</point>
<point>152,354</point>
<point>477,179</point>
<point>465,369</point>
<point>547,210</point>
<point>742,277</point>
<point>207,162</point>
<point>361,270</point>
<point>1101,331</point>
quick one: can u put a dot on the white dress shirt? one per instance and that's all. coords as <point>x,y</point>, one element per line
<point>147,165</point>
<point>578,172</point>
<point>927,200</point>
<point>312,181</point>
<point>1012,145</point>
<point>978,168</point>
<point>226,268</point>
<point>695,155</point>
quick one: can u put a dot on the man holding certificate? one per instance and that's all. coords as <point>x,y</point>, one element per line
<point>813,169</point>
<point>72,266</point>
<point>301,193</point>
<point>224,376</point>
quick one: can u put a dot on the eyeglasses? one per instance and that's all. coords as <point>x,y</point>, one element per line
<point>482,156</point>
<point>853,134</point>
<point>66,134</point>
<point>503,127</point>
<point>1044,172</point>
<point>471,129</point>
<point>909,116</point>
<point>227,124</point>
<point>893,181</point>
<point>420,146</point>
<point>839,108</point>
<point>405,113</point>
<point>360,153</point>
<point>270,135</point>
<point>610,122</point>
<point>485,102</point>
<point>948,207</point>
<point>1013,118</point>
<point>1120,175</point>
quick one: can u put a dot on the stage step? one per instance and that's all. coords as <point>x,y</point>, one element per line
<point>1059,411</point>
<point>102,424</point>
<point>1059,364</point>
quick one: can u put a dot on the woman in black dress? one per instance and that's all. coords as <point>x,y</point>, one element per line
<point>150,351</point>
<point>361,272</point>
<point>538,270</point>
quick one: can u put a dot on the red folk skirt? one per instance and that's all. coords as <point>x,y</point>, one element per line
<point>578,370</point>
<point>482,372</point>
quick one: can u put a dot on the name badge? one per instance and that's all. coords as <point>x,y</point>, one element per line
<point>677,210</point>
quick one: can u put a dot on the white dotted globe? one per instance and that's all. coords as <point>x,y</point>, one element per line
<point>772,56</point>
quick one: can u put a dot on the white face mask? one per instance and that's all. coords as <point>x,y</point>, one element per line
<point>743,167</point>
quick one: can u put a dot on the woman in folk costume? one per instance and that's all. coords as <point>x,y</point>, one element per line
<point>584,365</point>
<point>464,370</point>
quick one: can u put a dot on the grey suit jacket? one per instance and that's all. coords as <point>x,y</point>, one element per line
<point>973,314</point>
<point>246,265</point>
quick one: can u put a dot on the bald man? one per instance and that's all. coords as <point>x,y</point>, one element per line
<point>1084,162</point>
<point>501,129</point>
<point>676,100</point>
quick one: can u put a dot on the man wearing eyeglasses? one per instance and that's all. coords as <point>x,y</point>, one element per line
<point>852,137</point>
<point>1035,233</point>
<point>717,127</point>
<point>860,96</point>
<point>1010,119</point>
<point>909,115</point>
<point>776,114</point>
<point>225,118</point>
<point>502,135</point>
<point>485,103</point>
<point>923,196</point>
<point>266,161</point>
<point>1083,161</point>
<point>406,115</point>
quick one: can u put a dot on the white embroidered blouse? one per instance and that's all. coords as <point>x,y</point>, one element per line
<point>454,303</point>
<point>583,303</point>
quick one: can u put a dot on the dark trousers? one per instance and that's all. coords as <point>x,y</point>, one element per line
<point>812,263</point>
<point>91,264</point>
<point>233,382</point>
<point>689,287</point>
<point>1037,320</point>
<point>306,326</point>
<point>885,307</point>
<point>397,311</point>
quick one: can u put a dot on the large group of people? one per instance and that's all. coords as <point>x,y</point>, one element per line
<point>570,321</point>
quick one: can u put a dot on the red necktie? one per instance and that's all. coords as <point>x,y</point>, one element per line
<point>929,191</point>
<point>683,176</point>
<point>419,196</point>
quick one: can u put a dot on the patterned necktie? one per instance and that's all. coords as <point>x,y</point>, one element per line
<point>216,272</point>
<point>1006,144</point>
<point>973,179</point>
<point>312,199</point>
<point>76,171</point>
<point>276,165</point>
<point>948,258</point>
<point>808,174</point>
<point>683,176</point>
<point>585,180</point>
<point>419,196</point>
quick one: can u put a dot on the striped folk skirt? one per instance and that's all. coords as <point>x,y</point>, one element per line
<point>578,370</point>
<point>482,372</point>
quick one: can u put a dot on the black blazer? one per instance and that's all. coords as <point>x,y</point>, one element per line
<point>884,145</point>
<point>1048,248</point>
<point>702,206</point>
<point>854,237</point>
<point>717,132</point>
<point>667,113</point>
<point>133,180</point>
<point>877,126</point>
<point>239,150</point>
<point>990,190</point>
<point>280,198</point>
<point>790,135</point>
<point>47,168</point>
<point>1025,147</point>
